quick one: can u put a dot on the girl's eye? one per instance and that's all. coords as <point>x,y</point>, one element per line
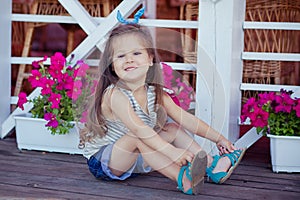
<point>120,56</point>
<point>137,53</point>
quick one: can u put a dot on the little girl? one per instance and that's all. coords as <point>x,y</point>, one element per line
<point>127,131</point>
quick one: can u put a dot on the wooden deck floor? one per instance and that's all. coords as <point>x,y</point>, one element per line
<point>40,175</point>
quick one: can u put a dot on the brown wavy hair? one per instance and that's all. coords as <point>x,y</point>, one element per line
<point>96,123</point>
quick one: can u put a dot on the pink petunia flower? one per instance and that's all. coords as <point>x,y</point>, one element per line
<point>284,103</point>
<point>22,100</point>
<point>84,116</point>
<point>65,83</point>
<point>81,71</point>
<point>76,90</point>
<point>36,64</point>
<point>58,60</point>
<point>259,117</point>
<point>297,107</point>
<point>56,71</point>
<point>46,85</point>
<point>55,100</point>
<point>51,118</point>
<point>35,78</point>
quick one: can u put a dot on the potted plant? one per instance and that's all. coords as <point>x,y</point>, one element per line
<point>58,111</point>
<point>277,116</point>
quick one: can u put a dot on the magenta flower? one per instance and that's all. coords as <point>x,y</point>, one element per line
<point>58,60</point>
<point>284,103</point>
<point>35,78</point>
<point>84,116</point>
<point>81,71</point>
<point>36,64</point>
<point>297,108</point>
<point>46,85</point>
<point>65,83</point>
<point>52,121</point>
<point>259,117</point>
<point>248,107</point>
<point>56,71</point>
<point>55,100</point>
<point>181,90</point>
<point>76,90</point>
<point>22,100</point>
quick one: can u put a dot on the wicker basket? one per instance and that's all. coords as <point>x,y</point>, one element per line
<point>274,41</point>
<point>189,11</point>
<point>189,37</point>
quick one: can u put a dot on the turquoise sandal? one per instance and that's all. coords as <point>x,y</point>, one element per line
<point>220,177</point>
<point>195,172</point>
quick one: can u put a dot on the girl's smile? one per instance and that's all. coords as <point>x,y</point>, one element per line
<point>131,60</point>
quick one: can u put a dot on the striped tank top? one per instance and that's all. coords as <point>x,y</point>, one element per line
<point>116,128</point>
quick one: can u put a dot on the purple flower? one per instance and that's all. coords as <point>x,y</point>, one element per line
<point>284,103</point>
<point>55,100</point>
<point>22,100</point>
<point>35,78</point>
<point>297,107</point>
<point>51,118</point>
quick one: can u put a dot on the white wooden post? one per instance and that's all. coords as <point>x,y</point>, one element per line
<point>5,54</point>
<point>219,67</point>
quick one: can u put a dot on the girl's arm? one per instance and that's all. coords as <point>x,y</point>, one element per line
<point>195,125</point>
<point>122,109</point>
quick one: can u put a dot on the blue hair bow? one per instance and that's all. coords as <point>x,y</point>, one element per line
<point>136,19</point>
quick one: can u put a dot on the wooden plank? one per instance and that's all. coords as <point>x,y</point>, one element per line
<point>54,175</point>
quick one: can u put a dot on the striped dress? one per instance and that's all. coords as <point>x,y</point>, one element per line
<point>116,129</point>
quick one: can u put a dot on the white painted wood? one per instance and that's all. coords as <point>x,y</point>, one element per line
<point>27,60</point>
<point>70,20</point>
<point>271,25</point>
<point>271,56</point>
<point>219,66</point>
<point>248,139</point>
<point>267,87</point>
<point>81,16</point>
<point>5,54</point>
<point>13,100</point>
<point>206,67</point>
<point>45,18</point>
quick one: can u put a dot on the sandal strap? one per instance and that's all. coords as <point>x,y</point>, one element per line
<point>179,179</point>
<point>234,156</point>
<point>180,176</point>
<point>214,163</point>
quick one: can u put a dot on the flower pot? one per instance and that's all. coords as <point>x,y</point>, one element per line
<point>31,134</point>
<point>285,153</point>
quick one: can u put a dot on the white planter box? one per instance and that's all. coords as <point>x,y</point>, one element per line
<point>285,153</point>
<point>31,134</point>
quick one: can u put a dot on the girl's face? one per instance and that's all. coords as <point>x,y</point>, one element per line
<point>131,60</point>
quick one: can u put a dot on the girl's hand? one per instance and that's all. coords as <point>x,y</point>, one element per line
<point>225,146</point>
<point>182,156</point>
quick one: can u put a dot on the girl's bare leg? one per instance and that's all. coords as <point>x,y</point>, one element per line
<point>126,150</point>
<point>179,138</point>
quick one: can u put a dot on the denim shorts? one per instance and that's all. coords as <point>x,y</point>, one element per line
<point>98,166</point>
